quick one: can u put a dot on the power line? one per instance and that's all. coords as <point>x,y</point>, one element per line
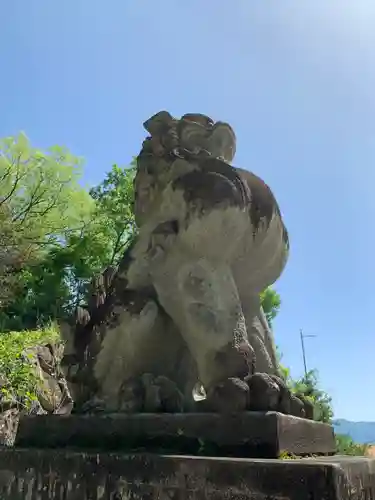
<point>303,336</point>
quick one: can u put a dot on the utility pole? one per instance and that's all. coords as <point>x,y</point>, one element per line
<point>303,336</point>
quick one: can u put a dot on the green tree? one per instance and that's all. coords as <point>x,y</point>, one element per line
<point>19,380</point>
<point>346,446</point>
<point>114,211</point>
<point>104,240</point>
<point>40,194</point>
<point>308,386</point>
<point>56,282</point>
<point>42,205</point>
<point>271,302</point>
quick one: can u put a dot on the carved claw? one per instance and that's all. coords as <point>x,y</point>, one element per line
<point>264,392</point>
<point>94,405</point>
<point>270,393</point>
<point>172,400</point>
<point>151,394</point>
<point>229,396</point>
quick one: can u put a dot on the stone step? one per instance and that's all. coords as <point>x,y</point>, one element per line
<point>247,434</point>
<point>67,475</point>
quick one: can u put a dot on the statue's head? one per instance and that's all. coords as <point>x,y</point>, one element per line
<point>192,137</point>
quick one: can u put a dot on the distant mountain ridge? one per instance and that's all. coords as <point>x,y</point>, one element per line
<point>360,432</point>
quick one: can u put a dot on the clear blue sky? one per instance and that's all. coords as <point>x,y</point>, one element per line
<point>297,82</point>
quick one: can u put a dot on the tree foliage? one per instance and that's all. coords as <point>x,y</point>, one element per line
<point>19,382</point>
<point>41,205</point>
<point>114,211</point>
<point>54,234</point>
<point>308,386</point>
<point>271,302</point>
<point>346,446</point>
<point>40,196</point>
<point>100,243</point>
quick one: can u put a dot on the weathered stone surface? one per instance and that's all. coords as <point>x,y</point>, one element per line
<point>265,392</point>
<point>8,426</point>
<point>52,391</point>
<point>56,475</point>
<point>248,434</point>
<point>230,396</point>
<point>184,302</point>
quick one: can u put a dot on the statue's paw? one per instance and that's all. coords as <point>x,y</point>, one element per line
<point>161,395</point>
<point>308,407</point>
<point>290,403</point>
<point>229,396</point>
<point>150,394</point>
<point>94,405</point>
<point>132,396</point>
<point>265,393</point>
<point>171,398</point>
<point>270,393</point>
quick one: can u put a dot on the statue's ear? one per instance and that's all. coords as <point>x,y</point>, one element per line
<point>222,141</point>
<point>159,123</point>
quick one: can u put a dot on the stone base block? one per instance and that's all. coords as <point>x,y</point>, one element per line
<point>247,434</point>
<point>67,475</point>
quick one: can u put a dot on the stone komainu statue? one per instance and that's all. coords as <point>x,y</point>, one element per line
<point>180,320</point>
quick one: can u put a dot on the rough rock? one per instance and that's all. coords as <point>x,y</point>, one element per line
<point>53,393</point>
<point>8,426</point>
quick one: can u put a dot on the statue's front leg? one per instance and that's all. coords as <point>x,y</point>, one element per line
<point>201,297</point>
<point>259,334</point>
<point>268,392</point>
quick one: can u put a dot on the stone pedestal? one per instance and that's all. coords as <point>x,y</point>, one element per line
<point>247,434</point>
<point>68,475</point>
<point>150,457</point>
